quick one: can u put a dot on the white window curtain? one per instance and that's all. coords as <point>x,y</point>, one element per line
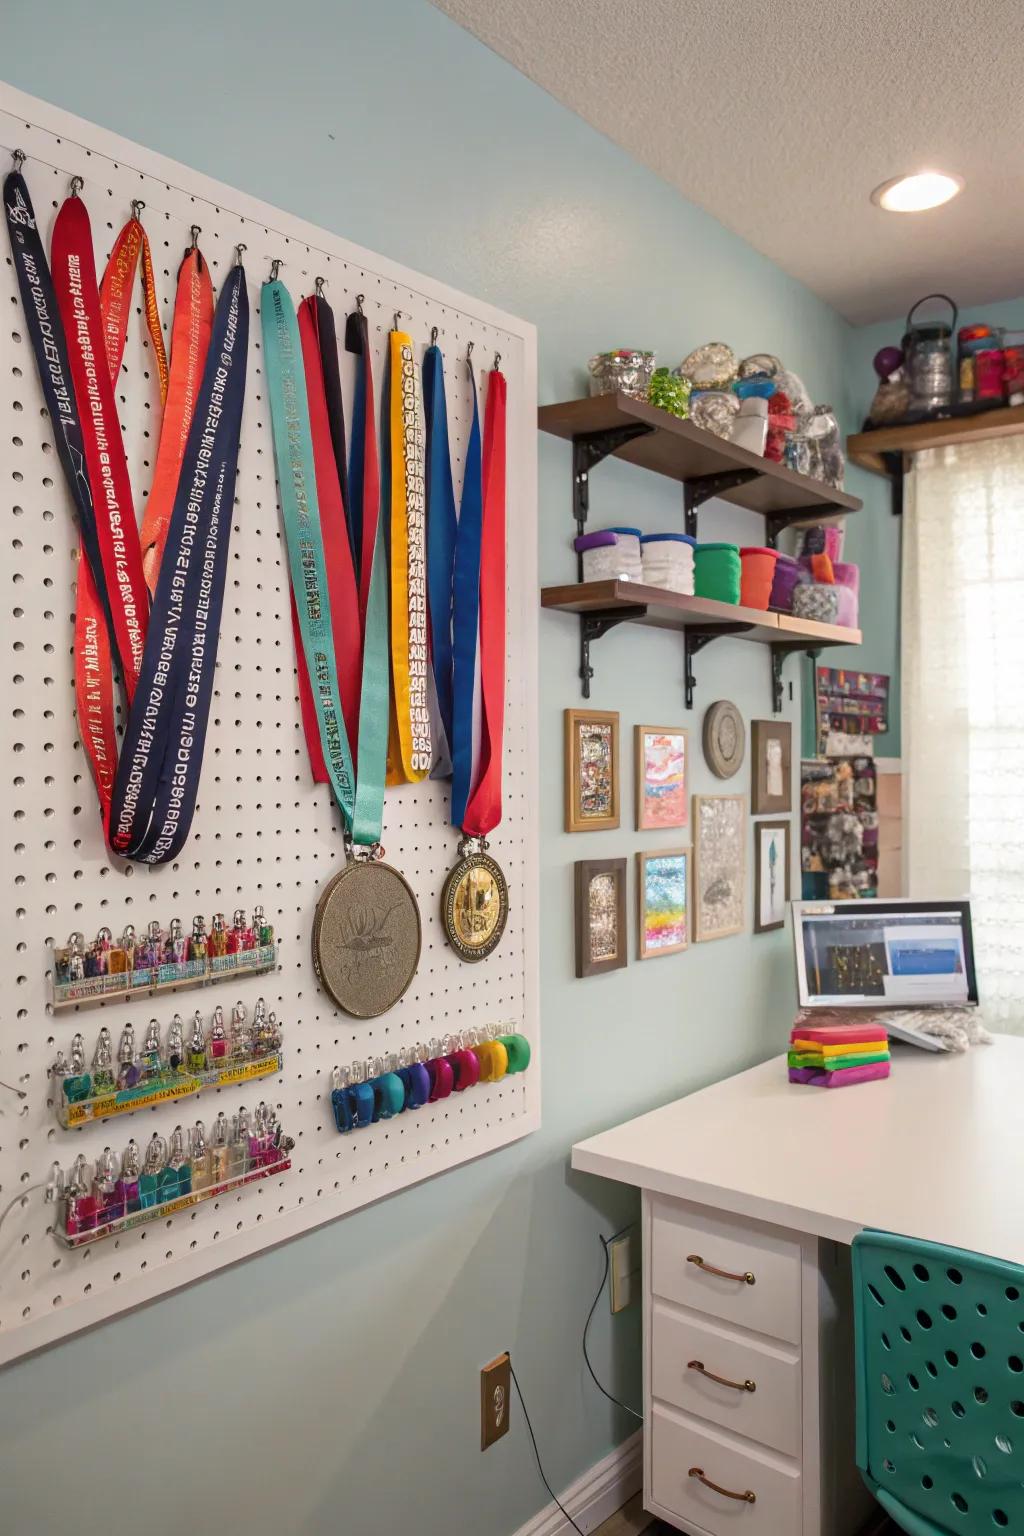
<point>963,700</point>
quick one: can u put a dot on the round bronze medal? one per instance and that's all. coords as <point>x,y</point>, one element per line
<point>366,938</point>
<point>474,904</point>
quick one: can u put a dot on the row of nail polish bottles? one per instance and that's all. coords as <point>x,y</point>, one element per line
<point>157,946</point>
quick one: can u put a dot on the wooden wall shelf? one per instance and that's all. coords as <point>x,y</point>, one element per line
<point>886,449</point>
<point>706,465</point>
<point>603,605</point>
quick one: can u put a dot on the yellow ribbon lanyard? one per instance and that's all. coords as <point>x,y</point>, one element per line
<point>410,744</point>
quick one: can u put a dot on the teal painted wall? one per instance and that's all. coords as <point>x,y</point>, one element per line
<point>331,1385</point>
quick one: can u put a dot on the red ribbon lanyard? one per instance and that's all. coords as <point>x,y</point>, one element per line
<point>484,809</point>
<point>74,280</point>
<point>190,342</point>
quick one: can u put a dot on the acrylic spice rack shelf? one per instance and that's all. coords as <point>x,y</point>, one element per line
<point>708,467</point>
<point>169,977</point>
<point>164,1089</point>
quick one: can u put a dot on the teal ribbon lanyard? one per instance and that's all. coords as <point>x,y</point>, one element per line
<point>358,789</point>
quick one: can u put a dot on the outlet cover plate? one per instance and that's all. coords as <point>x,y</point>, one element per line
<point>622,1270</point>
<point>495,1400</point>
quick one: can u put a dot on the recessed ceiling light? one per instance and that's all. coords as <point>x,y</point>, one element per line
<point>913,194</point>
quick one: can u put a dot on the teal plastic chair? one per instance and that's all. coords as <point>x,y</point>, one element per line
<point>940,1385</point>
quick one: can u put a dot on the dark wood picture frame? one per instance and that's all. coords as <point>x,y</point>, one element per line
<point>787,862</point>
<point>584,872</point>
<point>575,819</point>
<point>762,803</point>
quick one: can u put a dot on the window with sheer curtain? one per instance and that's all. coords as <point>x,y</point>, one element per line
<point>963,700</point>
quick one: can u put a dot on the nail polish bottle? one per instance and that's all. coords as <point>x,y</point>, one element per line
<point>256,1136</point>
<point>174,1177</point>
<point>152,947</point>
<point>103,1064</point>
<point>92,961</point>
<point>127,1186</point>
<point>236,934</point>
<point>240,1145</point>
<point>108,1206</point>
<point>273,1032</point>
<point>218,936</point>
<point>127,1071</point>
<point>176,946</point>
<point>151,1064</point>
<point>149,1179</point>
<point>258,1029</point>
<point>76,957</point>
<point>241,1044</point>
<point>176,1044</point>
<point>198,943</point>
<point>129,944</point>
<point>264,930</point>
<point>78,1083</point>
<point>218,1037</point>
<point>60,967</point>
<point>197,1046</point>
<point>104,944</point>
<point>118,962</point>
<point>75,1193</point>
<point>220,1152</point>
<point>200,1157</point>
<point>251,936</point>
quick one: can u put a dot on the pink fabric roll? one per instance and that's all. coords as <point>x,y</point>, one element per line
<point>839,1034</point>
<point>845,1078</point>
<point>846,574</point>
<point>848,609</point>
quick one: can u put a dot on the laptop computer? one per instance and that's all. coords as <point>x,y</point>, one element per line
<point>904,960</point>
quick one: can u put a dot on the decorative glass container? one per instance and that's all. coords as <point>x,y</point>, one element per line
<point>624,371</point>
<point>928,350</point>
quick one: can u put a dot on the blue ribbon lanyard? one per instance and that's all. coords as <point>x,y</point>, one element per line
<point>466,619</point>
<point>442,530</point>
<point>161,758</point>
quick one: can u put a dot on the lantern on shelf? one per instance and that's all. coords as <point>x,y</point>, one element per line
<point>928,353</point>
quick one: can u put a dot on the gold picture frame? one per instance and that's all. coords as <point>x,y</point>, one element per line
<point>591,770</point>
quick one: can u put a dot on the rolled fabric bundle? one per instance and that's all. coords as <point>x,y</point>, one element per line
<point>785,577</point>
<point>668,561</point>
<point>822,541</point>
<point>846,575</point>
<point>812,600</point>
<point>611,554</point>
<point>718,572</point>
<point>847,606</point>
<point>758,573</point>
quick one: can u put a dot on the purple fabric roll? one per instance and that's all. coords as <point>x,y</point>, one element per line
<point>786,578</point>
<point>603,540</point>
<point>846,575</point>
<point>845,1078</point>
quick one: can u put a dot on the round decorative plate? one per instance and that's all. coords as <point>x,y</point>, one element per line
<point>725,739</point>
<point>474,906</point>
<point>366,938</point>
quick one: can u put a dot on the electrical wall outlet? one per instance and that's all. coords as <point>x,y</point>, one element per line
<point>623,1266</point>
<point>495,1400</point>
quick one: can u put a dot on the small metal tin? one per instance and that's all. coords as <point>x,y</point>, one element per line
<point>474,902</point>
<point>366,938</point>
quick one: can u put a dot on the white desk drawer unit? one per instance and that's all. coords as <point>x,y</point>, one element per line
<point>704,1476</point>
<point>745,1385</point>
<point>725,1267</point>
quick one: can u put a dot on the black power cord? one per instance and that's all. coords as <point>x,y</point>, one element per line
<point>536,1452</point>
<point>606,1243</point>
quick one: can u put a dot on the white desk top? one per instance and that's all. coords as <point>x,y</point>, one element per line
<point>935,1151</point>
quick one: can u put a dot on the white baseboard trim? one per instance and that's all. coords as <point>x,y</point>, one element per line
<point>592,1498</point>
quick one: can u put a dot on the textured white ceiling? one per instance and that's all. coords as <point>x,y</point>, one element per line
<point>780,117</point>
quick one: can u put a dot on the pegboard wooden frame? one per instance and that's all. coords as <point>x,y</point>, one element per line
<point>262,831</point>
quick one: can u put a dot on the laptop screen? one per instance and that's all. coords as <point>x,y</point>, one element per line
<point>884,954</point>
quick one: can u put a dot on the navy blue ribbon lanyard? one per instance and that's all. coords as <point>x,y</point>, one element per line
<point>466,616</point>
<point>442,529</point>
<point>161,757</point>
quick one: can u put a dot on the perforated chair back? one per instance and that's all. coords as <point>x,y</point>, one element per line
<point>940,1385</point>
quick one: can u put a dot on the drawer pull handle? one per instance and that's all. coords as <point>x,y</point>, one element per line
<point>746,1497</point>
<point>726,1274</point>
<point>723,1381</point>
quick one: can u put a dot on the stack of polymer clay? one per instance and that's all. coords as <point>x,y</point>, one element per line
<point>839,1055</point>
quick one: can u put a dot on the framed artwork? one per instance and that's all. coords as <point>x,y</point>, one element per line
<point>661,774</point>
<point>591,770</point>
<point>771,773</point>
<point>663,900</point>
<point>600,916</point>
<point>719,865</point>
<point>771,874</point>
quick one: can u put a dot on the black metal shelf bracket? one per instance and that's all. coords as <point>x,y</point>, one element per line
<point>703,487</point>
<point>780,650</point>
<point>596,624</point>
<point>588,450</point>
<point>694,640</point>
<point>776,522</point>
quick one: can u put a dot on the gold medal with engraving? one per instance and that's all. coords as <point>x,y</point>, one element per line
<point>366,938</point>
<point>474,902</point>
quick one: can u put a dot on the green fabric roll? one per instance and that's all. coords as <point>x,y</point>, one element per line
<point>834,1063</point>
<point>717,572</point>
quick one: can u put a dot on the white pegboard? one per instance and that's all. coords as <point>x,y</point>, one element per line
<point>262,832</point>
